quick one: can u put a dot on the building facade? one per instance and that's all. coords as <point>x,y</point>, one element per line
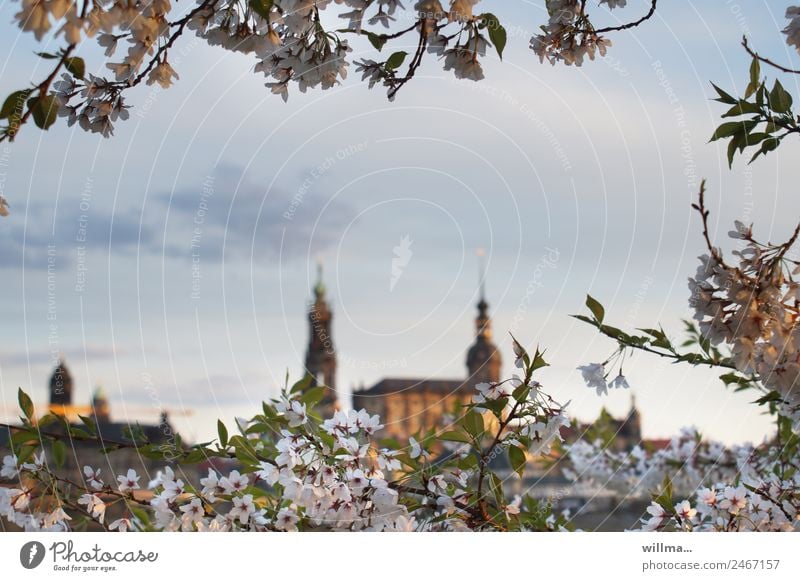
<point>406,405</point>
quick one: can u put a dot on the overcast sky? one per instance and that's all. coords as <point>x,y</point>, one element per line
<point>573,180</point>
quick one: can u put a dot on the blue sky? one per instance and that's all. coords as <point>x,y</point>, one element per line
<point>593,168</point>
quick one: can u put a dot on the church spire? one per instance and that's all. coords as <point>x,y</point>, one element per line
<point>321,354</point>
<point>319,288</point>
<point>483,358</point>
<point>483,324</point>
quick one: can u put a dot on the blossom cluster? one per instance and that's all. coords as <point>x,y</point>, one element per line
<point>735,489</point>
<point>688,461</point>
<point>792,30</point>
<point>770,507</point>
<point>330,487</point>
<point>569,36</point>
<point>752,307</point>
<point>596,377</point>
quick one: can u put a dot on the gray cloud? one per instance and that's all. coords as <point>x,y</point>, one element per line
<point>226,216</point>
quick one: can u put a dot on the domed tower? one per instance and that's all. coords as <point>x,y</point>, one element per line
<point>100,406</point>
<point>321,354</point>
<point>61,386</point>
<point>483,359</point>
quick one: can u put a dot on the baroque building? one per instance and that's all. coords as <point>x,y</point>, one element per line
<point>112,435</point>
<point>410,405</point>
<point>406,405</point>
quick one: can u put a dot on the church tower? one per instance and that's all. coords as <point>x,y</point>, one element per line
<point>321,354</point>
<point>483,359</point>
<point>632,427</point>
<point>101,409</point>
<point>61,386</point>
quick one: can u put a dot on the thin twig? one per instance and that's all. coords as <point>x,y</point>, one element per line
<point>633,24</point>
<point>765,60</point>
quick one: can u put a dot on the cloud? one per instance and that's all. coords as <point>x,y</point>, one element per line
<point>232,218</point>
<point>226,216</point>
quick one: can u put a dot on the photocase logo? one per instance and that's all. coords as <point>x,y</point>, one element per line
<point>31,554</point>
<point>402,256</point>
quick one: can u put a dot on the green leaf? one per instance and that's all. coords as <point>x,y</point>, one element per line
<point>313,396</point>
<point>497,34</point>
<point>723,96</point>
<point>732,145</point>
<point>728,129</point>
<point>585,319</point>
<point>766,146</point>
<point>245,456</point>
<point>80,434</point>
<point>59,453</point>
<point>517,458</point>
<point>497,488</point>
<point>377,40</point>
<point>140,514</point>
<point>47,419</point>
<point>496,406</point>
<point>664,496</point>
<point>76,66</point>
<point>755,138</point>
<point>473,423</point>
<point>742,108</point>
<point>596,308</point>
<point>18,438</point>
<point>25,404</point>
<point>44,111</point>
<point>520,394</point>
<point>455,436</point>
<point>755,71</point>
<point>259,428</point>
<point>538,358</point>
<point>302,385</point>
<point>396,60</point>
<point>90,424</point>
<point>14,103</point>
<point>659,338</point>
<point>734,378</point>
<point>261,7</point>
<point>779,100</point>
<point>222,432</point>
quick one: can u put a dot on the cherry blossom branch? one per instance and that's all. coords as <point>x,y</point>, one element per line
<point>110,445</point>
<point>181,24</point>
<point>41,90</point>
<point>704,214</point>
<point>486,456</point>
<point>765,60</point>
<point>413,65</point>
<point>630,25</point>
<point>382,36</point>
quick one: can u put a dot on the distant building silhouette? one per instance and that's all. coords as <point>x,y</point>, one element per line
<point>82,451</point>
<point>321,353</point>
<point>61,385</point>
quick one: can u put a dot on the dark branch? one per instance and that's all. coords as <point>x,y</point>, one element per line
<point>634,24</point>
<point>765,60</point>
